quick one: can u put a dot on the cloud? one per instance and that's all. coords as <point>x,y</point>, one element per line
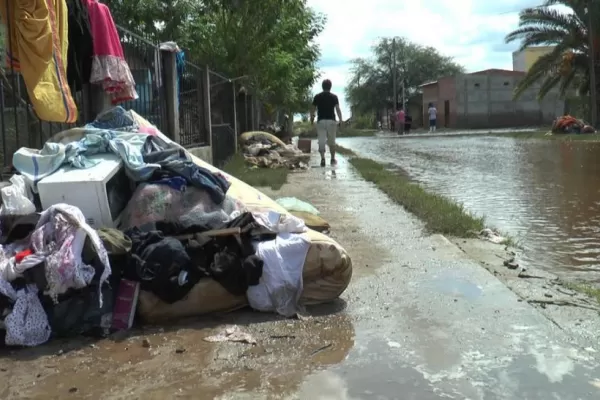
<point>471,31</point>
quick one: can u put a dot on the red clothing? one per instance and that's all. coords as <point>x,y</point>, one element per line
<point>400,116</point>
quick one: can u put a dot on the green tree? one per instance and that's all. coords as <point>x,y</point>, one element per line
<point>272,44</point>
<point>567,66</point>
<point>371,82</point>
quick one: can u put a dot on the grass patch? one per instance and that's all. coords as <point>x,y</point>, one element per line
<point>274,178</point>
<point>592,137</point>
<point>440,214</point>
<point>586,289</point>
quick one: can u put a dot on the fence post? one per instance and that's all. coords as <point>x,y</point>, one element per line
<point>169,64</point>
<point>235,118</point>
<point>206,93</point>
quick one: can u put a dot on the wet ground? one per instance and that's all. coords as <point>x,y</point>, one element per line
<point>546,194</point>
<point>419,321</point>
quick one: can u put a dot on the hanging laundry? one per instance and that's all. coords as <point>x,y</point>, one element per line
<point>109,67</point>
<point>36,46</point>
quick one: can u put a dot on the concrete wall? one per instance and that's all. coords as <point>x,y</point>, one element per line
<point>204,153</point>
<point>485,101</point>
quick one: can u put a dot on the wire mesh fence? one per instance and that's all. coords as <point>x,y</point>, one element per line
<point>192,120</point>
<point>144,60</point>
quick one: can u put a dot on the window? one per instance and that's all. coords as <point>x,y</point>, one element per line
<point>506,83</point>
<point>477,85</point>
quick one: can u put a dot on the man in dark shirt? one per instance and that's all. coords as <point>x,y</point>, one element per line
<point>327,105</point>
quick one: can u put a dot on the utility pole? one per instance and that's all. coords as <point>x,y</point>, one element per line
<point>394,78</point>
<point>592,53</point>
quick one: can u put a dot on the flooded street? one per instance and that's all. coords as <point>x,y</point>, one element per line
<point>546,194</point>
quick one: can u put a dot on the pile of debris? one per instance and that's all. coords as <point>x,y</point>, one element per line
<point>114,221</point>
<point>265,150</point>
<point>569,124</point>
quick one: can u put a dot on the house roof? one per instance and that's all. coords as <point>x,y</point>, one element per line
<point>428,83</point>
<point>497,71</point>
<point>491,71</point>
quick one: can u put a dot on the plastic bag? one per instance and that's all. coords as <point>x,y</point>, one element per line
<point>16,198</point>
<point>294,204</point>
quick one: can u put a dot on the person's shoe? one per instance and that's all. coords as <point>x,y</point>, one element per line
<point>322,162</point>
<point>333,161</point>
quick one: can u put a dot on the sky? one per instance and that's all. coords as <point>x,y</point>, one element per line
<point>470,31</point>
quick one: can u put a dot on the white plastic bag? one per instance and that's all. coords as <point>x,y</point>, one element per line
<point>16,198</point>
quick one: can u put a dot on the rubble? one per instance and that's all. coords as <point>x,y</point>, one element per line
<point>264,150</point>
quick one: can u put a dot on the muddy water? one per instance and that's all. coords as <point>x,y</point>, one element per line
<point>546,194</point>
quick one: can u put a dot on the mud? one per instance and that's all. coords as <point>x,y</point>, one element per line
<point>421,320</point>
<point>176,361</point>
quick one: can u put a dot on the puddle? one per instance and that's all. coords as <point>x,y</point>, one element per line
<point>456,286</point>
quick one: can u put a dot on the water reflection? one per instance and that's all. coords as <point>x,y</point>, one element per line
<point>545,193</point>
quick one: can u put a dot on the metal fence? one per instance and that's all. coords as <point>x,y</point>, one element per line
<point>144,61</point>
<point>223,144</point>
<point>192,121</point>
<point>20,126</point>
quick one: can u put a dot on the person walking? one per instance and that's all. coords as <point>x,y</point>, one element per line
<point>400,120</point>
<point>326,105</point>
<point>432,111</point>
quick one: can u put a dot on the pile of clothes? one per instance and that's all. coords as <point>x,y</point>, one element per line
<point>265,150</point>
<point>59,277</point>
<point>569,124</point>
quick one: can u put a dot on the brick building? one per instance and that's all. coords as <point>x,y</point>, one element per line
<point>484,100</point>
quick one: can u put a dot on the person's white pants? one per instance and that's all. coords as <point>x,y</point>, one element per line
<point>326,133</point>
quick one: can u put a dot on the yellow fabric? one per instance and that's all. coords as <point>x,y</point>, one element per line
<point>37,43</point>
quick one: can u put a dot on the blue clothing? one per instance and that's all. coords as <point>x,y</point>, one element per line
<point>176,182</point>
<point>175,162</point>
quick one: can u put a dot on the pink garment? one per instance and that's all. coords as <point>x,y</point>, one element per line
<point>400,116</point>
<point>109,67</point>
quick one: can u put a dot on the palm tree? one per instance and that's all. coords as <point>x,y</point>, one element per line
<point>568,65</point>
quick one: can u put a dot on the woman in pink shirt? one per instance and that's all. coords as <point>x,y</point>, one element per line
<point>400,121</point>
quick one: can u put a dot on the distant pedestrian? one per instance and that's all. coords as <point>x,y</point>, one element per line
<point>326,105</point>
<point>400,120</point>
<point>432,111</point>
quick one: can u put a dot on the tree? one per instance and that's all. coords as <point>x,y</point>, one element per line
<point>271,44</point>
<point>371,83</point>
<point>568,65</point>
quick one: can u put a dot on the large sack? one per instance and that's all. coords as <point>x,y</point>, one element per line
<point>327,269</point>
<point>244,137</point>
